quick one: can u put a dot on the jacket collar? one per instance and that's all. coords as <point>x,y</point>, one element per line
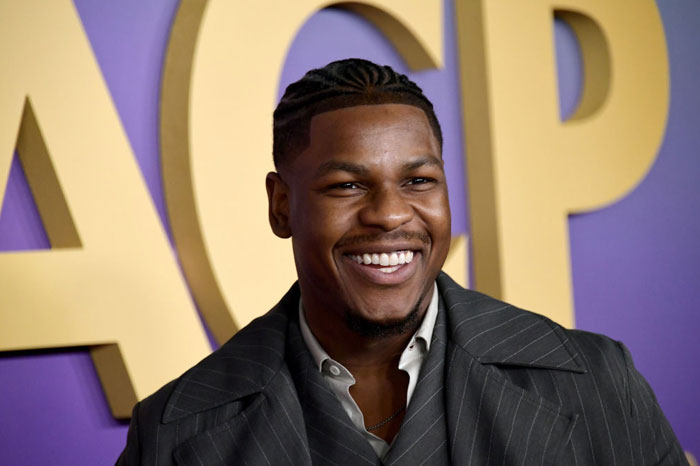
<point>491,331</point>
<point>494,332</point>
<point>244,365</point>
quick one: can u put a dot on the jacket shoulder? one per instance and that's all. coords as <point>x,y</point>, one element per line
<point>495,332</point>
<point>216,388</point>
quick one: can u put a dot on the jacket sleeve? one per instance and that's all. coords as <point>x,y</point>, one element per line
<point>131,455</point>
<point>658,443</point>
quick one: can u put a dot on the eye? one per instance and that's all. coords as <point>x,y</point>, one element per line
<point>346,185</point>
<point>343,189</point>
<point>421,182</point>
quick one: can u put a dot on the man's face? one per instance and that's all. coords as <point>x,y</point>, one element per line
<point>370,185</point>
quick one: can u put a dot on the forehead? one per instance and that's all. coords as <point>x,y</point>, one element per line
<point>372,129</point>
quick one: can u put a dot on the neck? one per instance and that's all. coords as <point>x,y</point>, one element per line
<point>358,352</point>
<point>380,388</point>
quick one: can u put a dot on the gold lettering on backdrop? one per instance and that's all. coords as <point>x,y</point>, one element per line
<point>217,102</point>
<point>527,170</point>
<point>110,282</point>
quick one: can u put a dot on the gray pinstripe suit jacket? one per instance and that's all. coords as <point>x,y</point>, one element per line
<point>500,386</point>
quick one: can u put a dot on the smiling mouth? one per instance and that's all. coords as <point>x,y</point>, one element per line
<point>387,262</point>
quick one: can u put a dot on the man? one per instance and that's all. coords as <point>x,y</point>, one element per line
<point>375,356</point>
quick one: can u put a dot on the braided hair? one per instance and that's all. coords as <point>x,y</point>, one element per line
<point>340,84</point>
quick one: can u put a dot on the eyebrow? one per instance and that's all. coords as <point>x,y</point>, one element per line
<point>423,161</point>
<point>361,170</point>
<point>334,166</point>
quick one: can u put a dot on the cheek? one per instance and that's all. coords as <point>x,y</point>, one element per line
<point>436,213</point>
<point>304,217</point>
<point>438,222</point>
<point>318,226</point>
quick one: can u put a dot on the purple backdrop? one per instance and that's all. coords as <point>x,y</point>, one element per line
<point>635,263</point>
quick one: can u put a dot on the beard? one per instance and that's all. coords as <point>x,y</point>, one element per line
<point>377,330</point>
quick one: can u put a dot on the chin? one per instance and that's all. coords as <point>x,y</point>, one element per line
<point>370,328</point>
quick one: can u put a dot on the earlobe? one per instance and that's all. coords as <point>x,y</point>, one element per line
<point>278,205</point>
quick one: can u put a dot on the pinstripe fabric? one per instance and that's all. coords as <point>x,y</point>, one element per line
<point>501,386</point>
<point>521,390</point>
<point>333,438</point>
<point>237,406</point>
<point>422,439</point>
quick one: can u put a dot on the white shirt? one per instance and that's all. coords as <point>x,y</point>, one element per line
<point>340,379</point>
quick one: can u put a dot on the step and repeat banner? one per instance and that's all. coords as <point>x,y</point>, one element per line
<point>135,138</point>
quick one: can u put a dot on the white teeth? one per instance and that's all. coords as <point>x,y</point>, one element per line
<point>393,259</point>
<point>389,269</point>
<point>384,259</point>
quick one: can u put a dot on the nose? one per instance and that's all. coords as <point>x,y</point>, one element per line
<point>386,209</point>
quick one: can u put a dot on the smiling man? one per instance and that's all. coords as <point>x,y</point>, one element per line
<point>366,206</point>
<point>375,356</point>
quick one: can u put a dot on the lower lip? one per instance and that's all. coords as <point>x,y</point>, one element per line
<point>374,275</point>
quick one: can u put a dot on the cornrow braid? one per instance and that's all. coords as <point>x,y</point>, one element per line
<point>340,84</point>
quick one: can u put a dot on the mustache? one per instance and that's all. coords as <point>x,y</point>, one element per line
<point>378,237</point>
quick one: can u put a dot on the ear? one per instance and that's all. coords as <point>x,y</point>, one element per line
<point>278,203</point>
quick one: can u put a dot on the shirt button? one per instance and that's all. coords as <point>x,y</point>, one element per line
<point>334,370</point>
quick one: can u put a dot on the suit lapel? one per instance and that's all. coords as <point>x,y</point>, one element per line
<point>250,404</point>
<point>239,405</point>
<point>489,419</point>
<point>333,438</point>
<point>267,432</point>
<point>423,436</point>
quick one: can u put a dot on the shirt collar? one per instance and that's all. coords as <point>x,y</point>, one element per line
<point>317,352</point>
<point>422,336</point>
